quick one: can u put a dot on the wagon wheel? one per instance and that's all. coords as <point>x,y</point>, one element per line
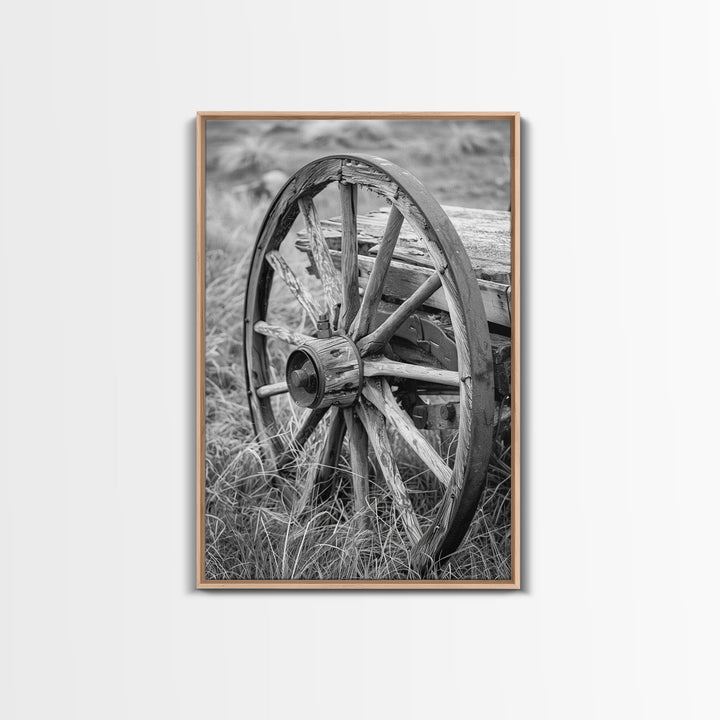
<point>339,366</point>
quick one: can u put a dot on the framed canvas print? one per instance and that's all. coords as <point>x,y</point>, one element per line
<point>358,350</point>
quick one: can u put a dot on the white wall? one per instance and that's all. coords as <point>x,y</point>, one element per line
<point>619,616</point>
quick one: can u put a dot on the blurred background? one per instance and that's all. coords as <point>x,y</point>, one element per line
<point>461,162</point>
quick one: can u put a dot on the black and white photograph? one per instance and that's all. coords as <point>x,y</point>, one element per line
<point>357,355</point>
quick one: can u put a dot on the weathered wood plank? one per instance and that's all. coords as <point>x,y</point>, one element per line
<point>378,392</point>
<point>403,279</point>
<point>349,270</point>
<point>321,473</point>
<point>502,361</point>
<point>376,281</point>
<point>281,333</point>
<point>280,266</point>
<point>391,368</point>
<point>374,423</point>
<point>359,463</point>
<point>318,245</point>
<point>484,233</point>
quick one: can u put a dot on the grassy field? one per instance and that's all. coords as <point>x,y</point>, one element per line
<point>252,530</point>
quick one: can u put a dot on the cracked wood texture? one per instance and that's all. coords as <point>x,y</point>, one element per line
<point>331,282</point>
<point>290,337</point>
<point>340,370</point>
<point>349,260</point>
<point>374,423</point>
<point>378,392</point>
<point>359,464</point>
<point>484,233</point>
<point>376,280</point>
<point>280,266</point>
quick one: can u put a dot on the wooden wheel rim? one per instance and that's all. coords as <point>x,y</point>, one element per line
<point>467,314</point>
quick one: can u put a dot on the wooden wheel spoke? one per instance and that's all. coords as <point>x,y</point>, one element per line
<point>266,391</point>
<point>358,442</point>
<point>349,255</point>
<point>278,264</point>
<point>374,423</point>
<point>307,427</point>
<point>376,340</point>
<point>378,392</point>
<point>281,333</point>
<point>321,254</point>
<point>382,366</point>
<point>376,281</point>
<point>321,474</point>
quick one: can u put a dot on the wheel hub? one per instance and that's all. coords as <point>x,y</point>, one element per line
<point>324,372</point>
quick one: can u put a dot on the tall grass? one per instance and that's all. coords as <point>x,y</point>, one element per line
<point>255,530</point>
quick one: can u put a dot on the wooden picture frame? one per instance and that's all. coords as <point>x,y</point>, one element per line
<point>509,584</point>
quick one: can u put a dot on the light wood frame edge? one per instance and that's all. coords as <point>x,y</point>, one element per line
<point>514,582</point>
<point>200,352</point>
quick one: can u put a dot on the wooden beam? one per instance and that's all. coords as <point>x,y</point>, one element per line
<point>320,251</point>
<point>390,368</point>
<point>378,392</point>
<point>359,462</point>
<point>378,274</point>
<point>278,264</point>
<point>374,423</point>
<point>281,333</point>
<point>349,261</point>
<point>484,233</point>
<point>265,391</point>
<point>376,340</point>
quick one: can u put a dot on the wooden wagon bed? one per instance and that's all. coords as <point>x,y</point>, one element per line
<point>484,233</point>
